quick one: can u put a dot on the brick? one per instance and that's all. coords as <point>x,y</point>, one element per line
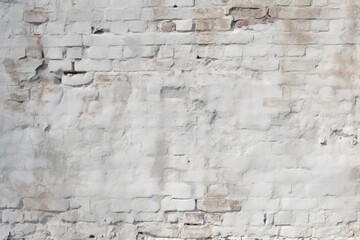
<point>184,25</point>
<point>299,204</point>
<point>127,4</point>
<point>81,28</point>
<point>213,218</point>
<point>115,52</point>
<point>242,23</point>
<point>204,25</point>
<point>12,216</point>
<point>160,231</point>
<point>77,79</point>
<point>130,52</point>
<point>257,51</point>
<point>62,65</point>
<point>223,24</point>
<point>63,41</point>
<point>137,26</point>
<point>297,13</point>
<point>34,48</point>
<point>233,51</point>
<point>74,53</point>
<point>92,65</point>
<point>98,52</point>
<point>119,27</point>
<point>179,3</point>
<point>120,205</point>
<point>195,232</point>
<point>42,204</point>
<point>103,40</point>
<point>320,25</point>
<point>169,204</point>
<point>161,13</point>
<point>55,28</point>
<point>294,232</point>
<point>284,218</point>
<point>218,205</point>
<point>122,14</point>
<point>256,219</point>
<point>318,218</point>
<point>166,52</point>
<point>167,26</point>
<point>210,12</point>
<point>36,16</point>
<point>145,205</point>
<point>194,218</point>
<point>178,190</point>
<point>294,2</point>
<point>149,217</point>
<point>54,53</point>
<point>172,217</point>
<point>298,65</point>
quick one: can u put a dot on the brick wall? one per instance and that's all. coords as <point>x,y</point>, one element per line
<point>179,119</point>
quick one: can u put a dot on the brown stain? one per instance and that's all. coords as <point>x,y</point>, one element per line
<point>222,24</point>
<point>203,25</point>
<point>296,38</point>
<point>207,13</point>
<point>204,33</point>
<point>102,78</point>
<point>355,174</point>
<point>242,23</point>
<point>158,9</point>
<point>39,89</point>
<point>11,68</point>
<point>15,106</point>
<point>121,84</point>
<point>235,205</point>
<point>221,204</point>
<point>344,63</point>
<point>289,33</point>
<point>206,37</point>
<point>252,14</point>
<point>167,26</point>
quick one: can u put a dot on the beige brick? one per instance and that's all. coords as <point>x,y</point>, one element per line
<point>36,16</point>
<point>194,218</point>
<point>196,232</point>
<point>218,205</point>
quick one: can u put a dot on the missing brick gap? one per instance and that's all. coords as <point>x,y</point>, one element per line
<point>9,236</point>
<point>73,71</point>
<point>98,30</point>
<point>265,218</point>
<point>39,71</point>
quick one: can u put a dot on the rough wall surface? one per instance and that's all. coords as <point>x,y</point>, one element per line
<point>179,119</point>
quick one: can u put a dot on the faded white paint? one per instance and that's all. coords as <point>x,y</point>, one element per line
<point>151,119</point>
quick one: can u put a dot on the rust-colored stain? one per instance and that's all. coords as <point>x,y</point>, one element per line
<point>235,205</point>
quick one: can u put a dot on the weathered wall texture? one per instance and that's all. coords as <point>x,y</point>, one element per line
<point>179,119</point>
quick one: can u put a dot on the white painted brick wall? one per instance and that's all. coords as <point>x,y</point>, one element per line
<point>179,119</point>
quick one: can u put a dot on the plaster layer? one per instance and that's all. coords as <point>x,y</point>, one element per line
<point>179,119</point>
